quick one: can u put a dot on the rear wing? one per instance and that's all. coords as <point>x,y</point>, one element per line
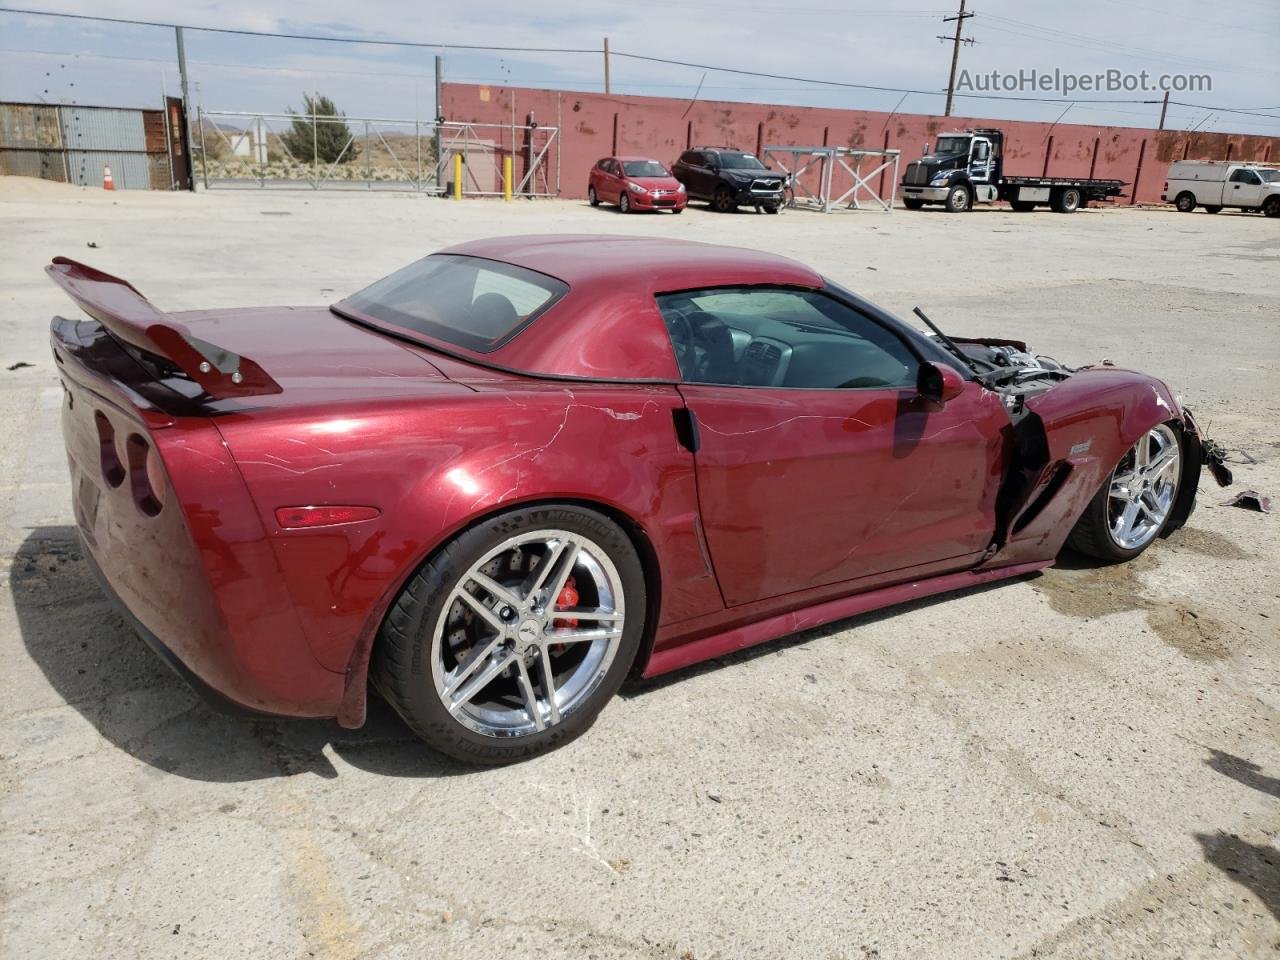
<point>129,317</point>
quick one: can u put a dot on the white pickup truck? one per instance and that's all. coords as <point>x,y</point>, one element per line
<point>1214,184</point>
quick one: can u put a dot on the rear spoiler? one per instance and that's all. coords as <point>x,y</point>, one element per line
<point>129,316</point>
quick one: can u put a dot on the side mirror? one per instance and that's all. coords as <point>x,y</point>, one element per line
<point>938,383</point>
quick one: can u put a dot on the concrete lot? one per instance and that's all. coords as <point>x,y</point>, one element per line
<point>1082,764</point>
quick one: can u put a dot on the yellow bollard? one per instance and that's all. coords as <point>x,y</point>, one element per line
<point>506,178</point>
<point>457,176</point>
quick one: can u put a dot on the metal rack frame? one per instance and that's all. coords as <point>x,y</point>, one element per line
<point>828,160</point>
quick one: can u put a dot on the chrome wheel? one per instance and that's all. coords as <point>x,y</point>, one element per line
<point>1143,488</point>
<point>528,633</point>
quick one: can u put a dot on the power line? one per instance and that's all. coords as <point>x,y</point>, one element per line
<point>735,71</point>
<point>234,31</point>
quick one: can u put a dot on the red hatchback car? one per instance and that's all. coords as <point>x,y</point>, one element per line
<point>635,183</point>
<point>505,477</point>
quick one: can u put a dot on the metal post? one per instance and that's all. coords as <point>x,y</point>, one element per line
<point>457,175</point>
<point>315,146</point>
<point>439,119</point>
<point>606,66</point>
<point>1164,108</point>
<point>182,76</point>
<point>204,156</point>
<point>506,178</point>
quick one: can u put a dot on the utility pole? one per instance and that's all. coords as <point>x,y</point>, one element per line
<point>185,133</point>
<point>959,18</point>
<point>1164,108</point>
<point>606,65</point>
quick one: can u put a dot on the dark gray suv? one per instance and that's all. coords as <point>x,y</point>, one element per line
<point>729,178</point>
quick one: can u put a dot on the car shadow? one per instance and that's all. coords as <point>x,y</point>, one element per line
<point>97,664</point>
<point>639,687</point>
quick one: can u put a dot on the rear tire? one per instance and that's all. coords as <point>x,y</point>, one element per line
<point>959,200</point>
<point>722,201</point>
<point>1066,201</point>
<point>1022,206</point>
<point>1185,202</point>
<point>592,197</point>
<point>911,203</point>
<point>433,645</point>
<point>1209,209</point>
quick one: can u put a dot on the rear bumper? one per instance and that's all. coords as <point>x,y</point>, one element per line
<point>215,699</point>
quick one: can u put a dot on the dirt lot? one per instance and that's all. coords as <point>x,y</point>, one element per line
<point>1081,764</point>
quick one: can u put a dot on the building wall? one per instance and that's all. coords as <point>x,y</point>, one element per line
<point>73,143</point>
<point>593,125</point>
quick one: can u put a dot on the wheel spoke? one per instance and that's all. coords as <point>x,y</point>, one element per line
<point>485,613</point>
<point>480,681</point>
<point>1124,524</point>
<point>493,588</point>
<point>549,683</point>
<point>1162,462</point>
<point>530,698</point>
<point>598,614</point>
<point>1142,454</point>
<point>572,635</point>
<point>568,557</point>
<point>537,578</point>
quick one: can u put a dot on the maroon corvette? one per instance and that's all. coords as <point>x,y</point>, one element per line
<point>498,481</point>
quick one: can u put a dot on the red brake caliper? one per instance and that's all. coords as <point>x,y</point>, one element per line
<point>568,598</point>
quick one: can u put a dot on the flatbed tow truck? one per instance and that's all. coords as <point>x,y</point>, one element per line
<point>968,167</point>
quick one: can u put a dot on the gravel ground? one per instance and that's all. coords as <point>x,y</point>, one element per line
<point>1081,764</point>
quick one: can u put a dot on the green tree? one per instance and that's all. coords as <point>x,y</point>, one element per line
<point>322,137</point>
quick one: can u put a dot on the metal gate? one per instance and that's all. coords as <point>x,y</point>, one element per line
<point>292,151</point>
<point>828,163</point>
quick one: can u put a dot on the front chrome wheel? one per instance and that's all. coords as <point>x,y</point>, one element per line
<point>1143,488</point>
<point>528,633</point>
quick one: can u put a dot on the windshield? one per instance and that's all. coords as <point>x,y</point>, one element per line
<point>729,160</point>
<point>466,301</point>
<point>1269,176</point>
<point>952,145</point>
<point>644,168</point>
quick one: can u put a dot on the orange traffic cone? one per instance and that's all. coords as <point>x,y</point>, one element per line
<point>107,182</point>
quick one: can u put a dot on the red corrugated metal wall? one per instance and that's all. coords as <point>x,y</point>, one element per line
<point>594,125</point>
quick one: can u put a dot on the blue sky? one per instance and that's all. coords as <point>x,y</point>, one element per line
<point>864,41</point>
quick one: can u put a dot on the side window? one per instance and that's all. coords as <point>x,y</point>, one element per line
<point>770,337</point>
<point>1245,176</point>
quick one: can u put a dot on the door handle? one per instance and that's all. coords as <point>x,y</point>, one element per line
<point>686,425</point>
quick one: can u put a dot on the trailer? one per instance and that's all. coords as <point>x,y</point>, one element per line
<point>968,168</point>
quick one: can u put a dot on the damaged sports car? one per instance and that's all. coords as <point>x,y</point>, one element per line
<point>502,479</point>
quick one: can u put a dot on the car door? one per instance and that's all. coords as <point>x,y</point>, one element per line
<point>1244,189</point>
<point>696,173</point>
<point>817,462</point>
<point>980,160</point>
